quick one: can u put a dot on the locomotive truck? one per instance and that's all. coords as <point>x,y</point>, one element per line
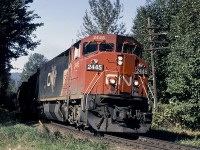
<point>100,82</point>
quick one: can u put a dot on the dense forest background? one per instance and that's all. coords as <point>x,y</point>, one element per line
<point>177,68</point>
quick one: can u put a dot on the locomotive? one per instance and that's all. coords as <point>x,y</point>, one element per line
<point>100,82</point>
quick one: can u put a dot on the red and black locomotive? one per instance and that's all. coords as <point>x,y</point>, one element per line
<point>100,82</point>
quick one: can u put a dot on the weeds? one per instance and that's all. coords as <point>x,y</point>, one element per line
<point>14,135</point>
<point>20,136</point>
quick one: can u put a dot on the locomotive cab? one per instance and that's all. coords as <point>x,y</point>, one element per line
<point>117,63</point>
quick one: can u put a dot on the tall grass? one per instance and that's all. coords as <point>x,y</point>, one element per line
<point>23,137</point>
<point>14,135</point>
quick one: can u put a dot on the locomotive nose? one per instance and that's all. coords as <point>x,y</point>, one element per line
<point>126,74</point>
<point>133,73</point>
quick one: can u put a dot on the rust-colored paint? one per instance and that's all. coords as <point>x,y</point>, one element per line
<point>79,81</point>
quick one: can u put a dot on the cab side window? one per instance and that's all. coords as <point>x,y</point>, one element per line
<point>138,52</point>
<point>76,51</point>
<point>129,49</point>
<point>108,47</point>
<point>89,47</point>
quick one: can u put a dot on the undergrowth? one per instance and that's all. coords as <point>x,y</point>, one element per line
<point>169,123</point>
<point>14,135</point>
<point>23,137</point>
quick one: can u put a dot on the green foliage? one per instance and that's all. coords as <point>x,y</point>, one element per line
<point>194,142</point>
<point>182,115</point>
<point>177,69</point>
<point>16,29</point>
<point>20,136</point>
<point>164,117</point>
<point>11,87</point>
<point>184,59</point>
<point>35,61</point>
<point>16,35</point>
<point>156,10</point>
<point>4,83</point>
<point>183,62</point>
<point>103,18</point>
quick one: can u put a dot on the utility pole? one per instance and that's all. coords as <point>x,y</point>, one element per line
<point>152,64</point>
<point>152,51</point>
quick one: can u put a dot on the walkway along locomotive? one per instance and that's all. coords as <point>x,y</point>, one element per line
<point>100,82</point>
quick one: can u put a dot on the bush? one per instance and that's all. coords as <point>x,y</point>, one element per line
<point>182,115</point>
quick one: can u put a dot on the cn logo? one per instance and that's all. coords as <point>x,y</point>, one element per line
<point>127,80</point>
<point>51,78</point>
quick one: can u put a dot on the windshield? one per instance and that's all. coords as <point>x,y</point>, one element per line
<point>108,47</point>
<point>129,49</point>
<point>89,47</point>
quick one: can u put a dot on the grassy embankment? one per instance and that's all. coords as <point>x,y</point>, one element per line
<point>177,135</point>
<point>14,135</point>
<point>165,128</point>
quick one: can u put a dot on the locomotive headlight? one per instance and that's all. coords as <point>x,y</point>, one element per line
<point>136,83</point>
<point>120,60</point>
<point>120,63</point>
<point>112,81</point>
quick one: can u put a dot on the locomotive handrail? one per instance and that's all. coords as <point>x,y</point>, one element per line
<point>95,82</point>
<point>144,87</point>
<point>90,83</point>
<point>88,88</point>
<point>97,79</point>
<point>151,91</point>
<point>93,86</point>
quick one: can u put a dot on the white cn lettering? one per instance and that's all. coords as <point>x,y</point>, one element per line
<point>127,83</point>
<point>49,79</point>
<point>120,79</point>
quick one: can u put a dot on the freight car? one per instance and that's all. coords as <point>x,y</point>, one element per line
<point>100,82</point>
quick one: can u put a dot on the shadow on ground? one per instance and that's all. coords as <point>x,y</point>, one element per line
<point>157,134</point>
<point>168,136</point>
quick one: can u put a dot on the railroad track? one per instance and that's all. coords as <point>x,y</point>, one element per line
<point>141,143</point>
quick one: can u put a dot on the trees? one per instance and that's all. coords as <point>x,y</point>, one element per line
<point>35,61</point>
<point>16,30</point>
<point>16,34</point>
<point>160,19</point>
<point>183,80</point>
<point>103,18</point>
<point>184,59</point>
<point>178,68</point>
